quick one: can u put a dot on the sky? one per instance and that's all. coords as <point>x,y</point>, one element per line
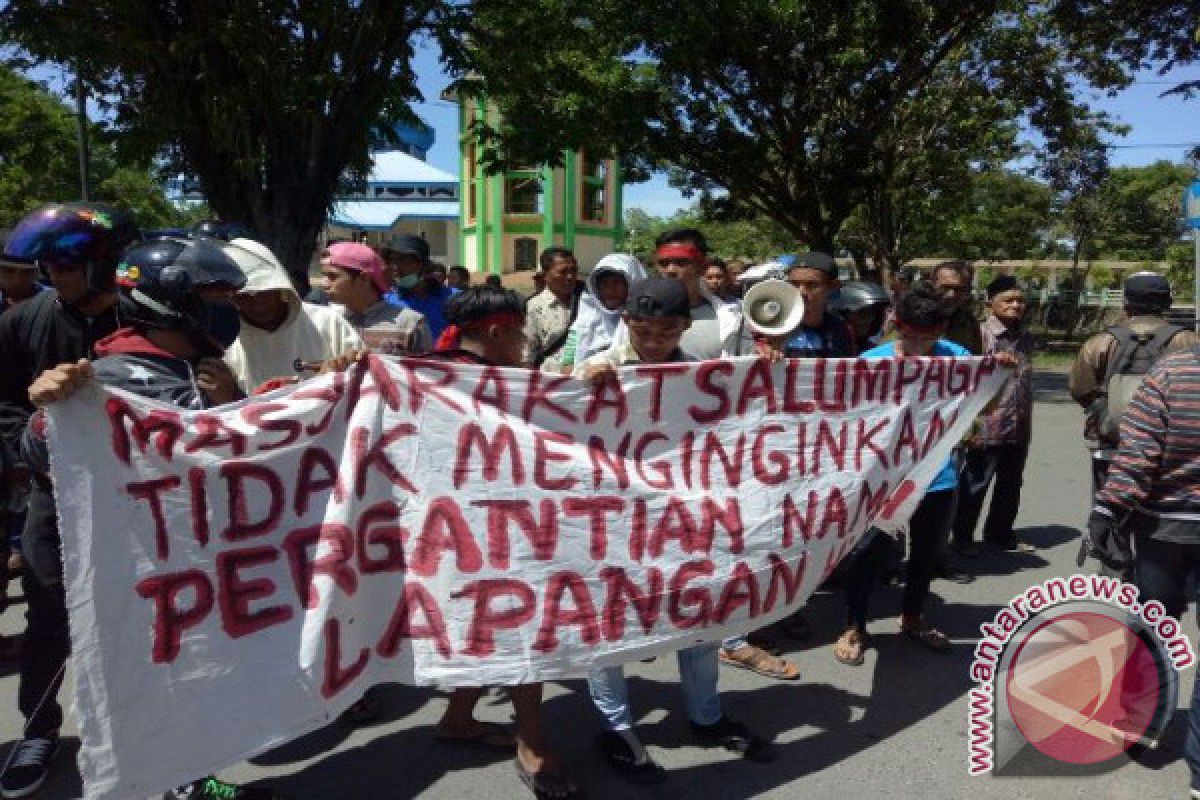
<point>1160,127</point>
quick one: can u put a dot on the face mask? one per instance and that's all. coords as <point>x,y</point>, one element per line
<point>219,324</point>
<point>409,281</point>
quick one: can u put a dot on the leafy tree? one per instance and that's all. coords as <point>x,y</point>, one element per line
<point>928,156</point>
<point>789,106</point>
<point>1137,34</point>
<point>756,239</point>
<point>38,139</point>
<point>269,104</point>
<point>38,142</point>
<point>1144,206</point>
<point>1077,177</point>
<point>1006,215</point>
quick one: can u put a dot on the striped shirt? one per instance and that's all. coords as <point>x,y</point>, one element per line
<point>1157,466</point>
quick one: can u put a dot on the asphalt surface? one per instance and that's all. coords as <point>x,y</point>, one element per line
<point>894,727</point>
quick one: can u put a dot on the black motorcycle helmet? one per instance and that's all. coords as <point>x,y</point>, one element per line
<point>863,305</point>
<point>89,234</point>
<point>215,229</point>
<point>160,283</point>
<point>857,295</point>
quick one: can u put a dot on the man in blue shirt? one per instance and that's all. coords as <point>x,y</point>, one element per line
<point>416,287</point>
<point>921,319</point>
<point>821,333</point>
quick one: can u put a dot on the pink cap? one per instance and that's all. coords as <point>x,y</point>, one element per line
<point>360,258</point>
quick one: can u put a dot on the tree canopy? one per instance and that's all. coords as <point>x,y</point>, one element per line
<point>268,104</point>
<point>1000,214</point>
<point>799,110</point>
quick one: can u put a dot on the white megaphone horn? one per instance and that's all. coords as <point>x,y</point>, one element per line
<point>773,307</point>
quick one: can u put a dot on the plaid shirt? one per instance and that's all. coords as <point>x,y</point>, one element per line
<point>1011,422</point>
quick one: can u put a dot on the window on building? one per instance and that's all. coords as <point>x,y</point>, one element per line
<point>593,188</point>
<point>523,192</point>
<point>525,252</point>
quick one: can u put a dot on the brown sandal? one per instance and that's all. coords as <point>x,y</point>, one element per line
<point>758,660</point>
<point>849,647</point>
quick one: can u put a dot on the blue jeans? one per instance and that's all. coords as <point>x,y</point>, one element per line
<point>697,675</point>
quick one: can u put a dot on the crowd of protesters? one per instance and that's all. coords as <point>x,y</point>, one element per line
<point>214,317</point>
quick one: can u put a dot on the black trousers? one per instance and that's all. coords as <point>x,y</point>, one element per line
<point>928,531</point>
<point>47,639</point>
<point>1005,463</point>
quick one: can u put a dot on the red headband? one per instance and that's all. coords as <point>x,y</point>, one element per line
<point>451,336</point>
<point>679,250</point>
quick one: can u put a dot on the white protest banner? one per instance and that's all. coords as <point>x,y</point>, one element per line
<point>239,576</point>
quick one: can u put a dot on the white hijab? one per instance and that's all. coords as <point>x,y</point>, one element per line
<point>597,328</point>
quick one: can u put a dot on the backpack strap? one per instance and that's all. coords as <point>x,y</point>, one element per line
<point>1123,352</point>
<point>1163,335</point>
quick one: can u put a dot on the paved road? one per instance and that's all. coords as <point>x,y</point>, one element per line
<point>895,727</point>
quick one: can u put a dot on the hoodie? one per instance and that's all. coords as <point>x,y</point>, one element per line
<point>309,332</point>
<point>597,328</point>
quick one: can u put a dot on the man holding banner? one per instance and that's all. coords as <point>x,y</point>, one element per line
<point>176,303</point>
<point>486,327</point>
<point>656,315</point>
<point>77,245</point>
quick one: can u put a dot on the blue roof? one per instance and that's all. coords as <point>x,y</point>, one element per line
<point>395,166</point>
<point>382,214</point>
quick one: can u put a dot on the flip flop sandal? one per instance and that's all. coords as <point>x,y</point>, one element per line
<point>620,757</point>
<point>492,738</point>
<point>849,651</point>
<point>542,782</point>
<point>930,637</point>
<point>758,663</point>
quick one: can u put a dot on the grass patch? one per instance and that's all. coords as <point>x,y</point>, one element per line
<point>1053,359</point>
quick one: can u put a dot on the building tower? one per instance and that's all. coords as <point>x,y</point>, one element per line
<point>507,219</point>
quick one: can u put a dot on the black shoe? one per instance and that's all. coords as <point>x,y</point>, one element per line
<point>736,738</point>
<point>211,788</point>
<point>620,757</point>
<point>29,767</point>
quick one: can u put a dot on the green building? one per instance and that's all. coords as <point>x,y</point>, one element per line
<point>506,220</point>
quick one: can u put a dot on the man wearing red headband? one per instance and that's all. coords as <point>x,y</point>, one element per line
<point>486,328</point>
<point>921,320</point>
<point>716,332</point>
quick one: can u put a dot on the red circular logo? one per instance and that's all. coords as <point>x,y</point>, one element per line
<point>1083,688</point>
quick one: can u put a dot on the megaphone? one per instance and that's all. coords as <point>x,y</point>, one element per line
<point>773,307</point>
